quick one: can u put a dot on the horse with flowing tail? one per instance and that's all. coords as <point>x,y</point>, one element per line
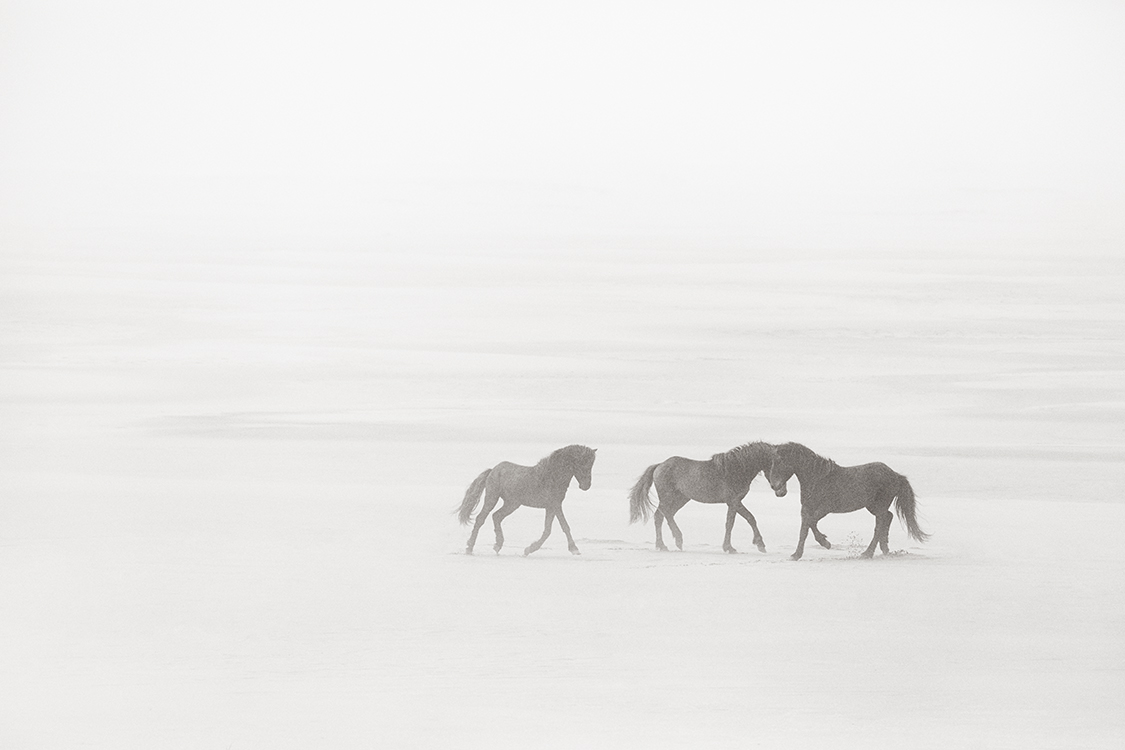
<point>541,486</point>
<point>724,478</point>
<point>827,487</point>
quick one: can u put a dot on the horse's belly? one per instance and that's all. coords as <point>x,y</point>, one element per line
<point>689,480</point>
<point>846,494</point>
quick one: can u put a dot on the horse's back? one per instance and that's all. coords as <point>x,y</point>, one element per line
<point>506,472</point>
<point>676,468</point>
<point>676,463</point>
<point>848,488</point>
<point>691,477</point>
<point>526,485</point>
<point>876,469</point>
<point>873,474</point>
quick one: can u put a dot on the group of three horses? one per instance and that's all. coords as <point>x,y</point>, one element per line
<point>725,478</point>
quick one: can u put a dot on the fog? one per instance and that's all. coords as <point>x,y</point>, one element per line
<point>278,281</point>
<point>934,127</point>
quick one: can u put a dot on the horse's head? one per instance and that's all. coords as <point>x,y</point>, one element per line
<point>778,474</point>
<point>583,464</point>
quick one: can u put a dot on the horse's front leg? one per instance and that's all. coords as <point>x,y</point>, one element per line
<point>566,530</point>
<point>743,511</point>
<point>548,521</point>
<point>731,513</point>
<point>806,524</point>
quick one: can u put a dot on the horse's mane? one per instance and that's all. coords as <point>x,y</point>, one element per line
<point>743,458</point>
<point>571,454</point>
<point>801,456</point>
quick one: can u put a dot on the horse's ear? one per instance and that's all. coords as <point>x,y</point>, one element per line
<point>595,450</point>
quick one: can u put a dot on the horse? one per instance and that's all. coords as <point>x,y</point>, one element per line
<point>541,486</point>
<point>827,487</point>
<point>724,478</point>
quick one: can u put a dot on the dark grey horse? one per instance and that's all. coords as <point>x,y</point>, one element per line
<point>724,478</point>
<point>541,486</point>
<point>827,487</point>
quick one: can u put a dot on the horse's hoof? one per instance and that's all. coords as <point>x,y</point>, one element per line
<point>866,555</point>
<point>575,551</point>
<point>468,552</point>
<point>661,548</point>
<point>761,548</point>
<point>826,544</point>
<point>527,551</point>
<point>794,556</point>
<point>730,550</point>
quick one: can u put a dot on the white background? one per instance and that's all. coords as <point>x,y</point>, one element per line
<point>278,280</point>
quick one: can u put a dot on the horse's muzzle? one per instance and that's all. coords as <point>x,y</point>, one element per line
<point>781,493</point>
<point>583,487</point>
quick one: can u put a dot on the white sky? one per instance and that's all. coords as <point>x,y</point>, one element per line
<point>862,125</point>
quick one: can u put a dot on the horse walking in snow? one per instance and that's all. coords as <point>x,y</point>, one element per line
<point>541,486</point>
<point>827,487</point>
<point>725,478</point>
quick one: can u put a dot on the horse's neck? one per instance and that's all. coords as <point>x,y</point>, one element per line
<point>737,468</point>
<point>760,462</point>
<point>751,465</point>
<point>556,471</point>
<point>748,470</point>
<point>812,469</point>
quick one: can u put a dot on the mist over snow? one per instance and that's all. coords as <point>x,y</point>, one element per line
<point>278,281</point>
<point>936,127</point>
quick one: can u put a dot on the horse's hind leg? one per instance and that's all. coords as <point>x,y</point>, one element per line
<point>658,522</point>
<point>489,503</point>
<point>566,530</point>
<point>743,511</point>
<point>884,540</point>
<point>548,520</point>
<point>671,500</point>
<point>497,517</point>
<point>821,539</point>
<point>882,530</point>
<point>676,534</point>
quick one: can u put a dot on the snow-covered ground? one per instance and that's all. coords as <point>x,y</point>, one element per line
<point>228,484</point>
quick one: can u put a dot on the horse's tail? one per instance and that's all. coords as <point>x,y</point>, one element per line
<point>472,497</point>
<point>904,504</point>
<point>640,504</point>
